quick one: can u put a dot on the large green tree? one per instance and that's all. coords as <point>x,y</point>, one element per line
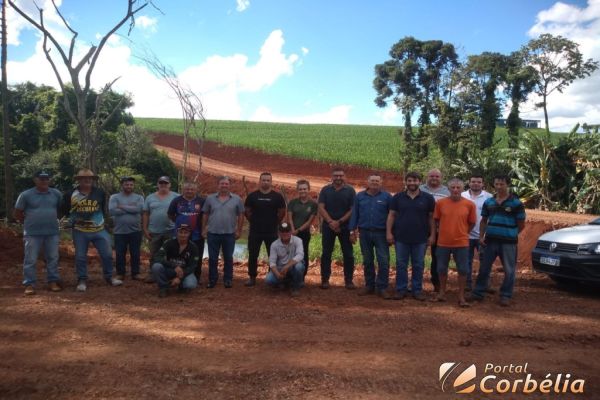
<point>520,82</point>
<point>557,62</point>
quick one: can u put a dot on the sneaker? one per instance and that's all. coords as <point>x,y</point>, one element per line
<point>366,291</point>
<point>250,282</point>
<point>29,290</point>
<point>505,302</point>
<point>81,286</point>
<point>350,285</point>
<point>384,294</point>
<point>227,284</point>
<point>120,277</point>
<point>420,296</point>
<point>295,293</point>
<point>162,293</point>
<point>54,287</point>
<point>115,281</point>
<point>325,285</point>
<point>399,295</point>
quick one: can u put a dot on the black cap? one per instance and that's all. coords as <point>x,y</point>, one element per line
<point>284,227</point>
<point>184,227</point>
<point>127,179</point>
<point>42,174</point>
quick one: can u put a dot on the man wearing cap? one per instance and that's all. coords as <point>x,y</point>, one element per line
<point>38,209</point>
<point>187,209</point>
<point>126,209</point>
<point>156,224</point>
<point>175,263</point>
<point>85,207</point>
<point>222,222</point>
<point>286,260</point>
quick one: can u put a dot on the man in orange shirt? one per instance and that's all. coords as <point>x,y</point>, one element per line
<point>455,217</point>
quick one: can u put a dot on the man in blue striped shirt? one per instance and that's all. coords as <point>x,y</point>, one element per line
<point>503,217</point>
<point>369,216</point>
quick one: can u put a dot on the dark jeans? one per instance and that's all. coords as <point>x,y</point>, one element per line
<point>328,241</point>
<point>123,241</point>
<point>435,279</point>
<point>255,240</point>
<point>163,277</point>
<point>507,252</point>
<point>305,237</point>
<point>374,244</point>
<point>216,242</point>
<point>200,244</point>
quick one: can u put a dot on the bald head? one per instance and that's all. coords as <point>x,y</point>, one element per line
<point>434,178</point>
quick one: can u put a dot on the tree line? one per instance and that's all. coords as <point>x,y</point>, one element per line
<point>457,102</point>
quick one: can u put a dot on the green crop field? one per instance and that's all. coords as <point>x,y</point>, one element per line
<point>370,146</point>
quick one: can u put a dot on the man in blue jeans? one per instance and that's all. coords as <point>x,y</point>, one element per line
<point>222,222</point>
<point>38,209</point>
<point>176,262</point>
<point>369,216</point>
<point>286,260</point>
<point>503,217</point>
<point>410,227</point>
<point>126,209</point>
<point>85,206</point>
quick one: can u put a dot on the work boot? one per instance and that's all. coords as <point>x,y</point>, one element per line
<point>54,287</point>
<point>29,290</point>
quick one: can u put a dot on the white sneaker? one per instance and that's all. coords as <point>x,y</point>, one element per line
<point>81,286</point>
<point>116,282</point>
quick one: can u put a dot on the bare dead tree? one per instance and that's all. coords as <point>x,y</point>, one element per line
<point>90,127</point>
<point>8,176</point>
<point>192,111</point>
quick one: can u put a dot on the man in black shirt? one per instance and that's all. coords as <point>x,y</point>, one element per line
<point>176,262</point>
<point>335,207</point>
<point>265,209</point>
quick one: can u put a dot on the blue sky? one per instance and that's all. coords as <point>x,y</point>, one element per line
<point>301,61</point>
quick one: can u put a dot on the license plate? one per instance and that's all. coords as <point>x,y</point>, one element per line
<point>554,261</point>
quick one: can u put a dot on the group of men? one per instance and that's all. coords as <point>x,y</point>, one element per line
<point>447,219</point>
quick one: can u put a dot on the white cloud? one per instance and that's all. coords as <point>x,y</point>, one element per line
<point>390,115</point>
<point>580,102</point>
<point>242,5</point>
<point>146,23</point>
<point>304,51</point>
<point>335,115</point>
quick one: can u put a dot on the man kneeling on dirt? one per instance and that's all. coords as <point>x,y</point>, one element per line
<point>176,262</point>
<point>286,260</point>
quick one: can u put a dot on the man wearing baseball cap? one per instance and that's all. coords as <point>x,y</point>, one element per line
<point>286,260</point>
<point>156,224</point>
<point>38,209</point>
<point>176,262</point>
<point>85,206</point>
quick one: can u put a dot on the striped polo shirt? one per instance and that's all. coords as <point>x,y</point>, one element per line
<point>502,218</point>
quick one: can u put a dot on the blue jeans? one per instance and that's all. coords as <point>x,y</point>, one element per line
<point>328,241</point>
<point>133,241</point>
<point>461,256</point>
<point>215,243</point>
<point>32,246</point>
<point>101,241</point>
<point>295,275</point>
<point>375,240</point>
<point>416,253</point>
<point>508,256</point>
<point>163,277</point>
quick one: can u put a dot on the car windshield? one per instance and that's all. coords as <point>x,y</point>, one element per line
<point>595,222</point>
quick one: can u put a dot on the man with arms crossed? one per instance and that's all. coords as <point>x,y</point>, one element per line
<point>335,207</point>
<point>369,216</point>
<point>477,195</point>
<point>503,217</point>
<point>265,208</point>
<point>38,209</point>
<point>410,228</point>
<point>157,226</point>
<point>455,217</point>
<point>222,222</point>
<point>434,187</point>
<point>126,209</point>
<point>286,260</point>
